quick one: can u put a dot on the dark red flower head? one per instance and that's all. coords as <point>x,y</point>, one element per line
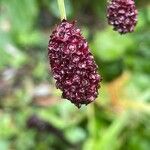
<point>72,64</point>
<point>122,15</point>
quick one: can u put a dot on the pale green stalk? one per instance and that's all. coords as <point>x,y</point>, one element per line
<point>62,10</point>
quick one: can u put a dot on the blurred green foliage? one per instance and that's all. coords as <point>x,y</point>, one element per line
<point>120,117</point>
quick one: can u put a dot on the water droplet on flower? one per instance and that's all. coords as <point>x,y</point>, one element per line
<point>81,65</point>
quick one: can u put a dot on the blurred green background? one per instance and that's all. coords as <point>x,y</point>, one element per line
<point>32,114</point>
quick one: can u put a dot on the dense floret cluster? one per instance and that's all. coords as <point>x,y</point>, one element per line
<point>122,15</point>
<point>72,64</point>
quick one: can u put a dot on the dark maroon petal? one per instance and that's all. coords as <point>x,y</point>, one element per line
<point>73,65</point>
<point>122,15</point>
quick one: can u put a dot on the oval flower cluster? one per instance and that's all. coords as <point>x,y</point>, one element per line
<point>122,15</point>
<point>72,64</point>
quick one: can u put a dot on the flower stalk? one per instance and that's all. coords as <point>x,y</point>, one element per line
<point>62,10</point>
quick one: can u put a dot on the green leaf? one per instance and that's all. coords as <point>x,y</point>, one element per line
<point>109,45</point>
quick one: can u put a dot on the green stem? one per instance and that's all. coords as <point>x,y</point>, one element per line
<point>62,10</point>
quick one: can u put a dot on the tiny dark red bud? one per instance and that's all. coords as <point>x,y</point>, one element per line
<point>72,64</point>
<point>122,15</point>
